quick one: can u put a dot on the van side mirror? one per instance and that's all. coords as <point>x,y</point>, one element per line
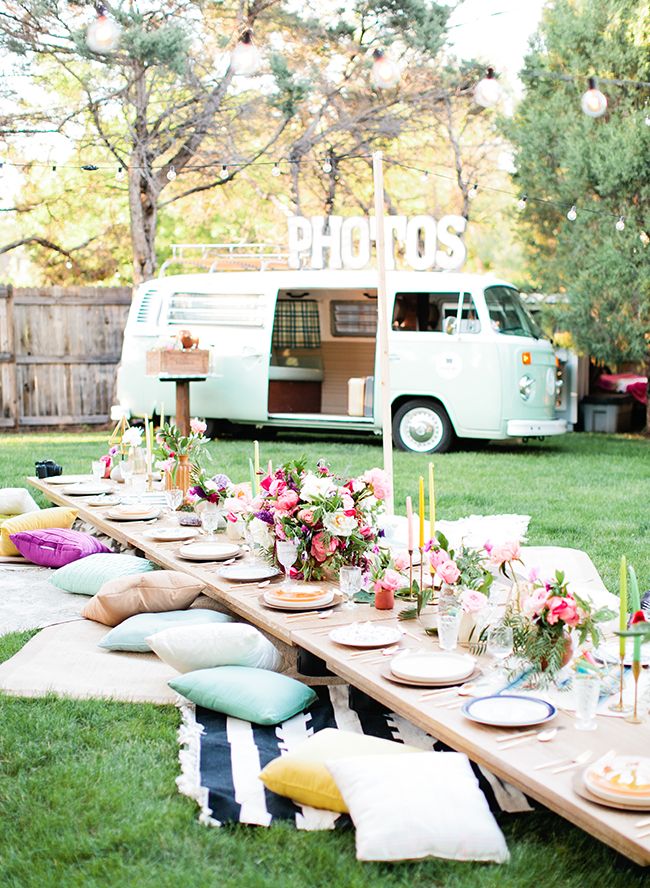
<point>450,325</point>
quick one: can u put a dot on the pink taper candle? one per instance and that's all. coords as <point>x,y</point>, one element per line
<point>409,518</point>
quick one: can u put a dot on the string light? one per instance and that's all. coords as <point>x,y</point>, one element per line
<point>572,215</point>
<point>224,171</point>
<point>593,102</point>
<point>425,176</point>
<point>327,166</point>
<point>171,174</point>
<point>385,73</point>
<point>276,171</point>
<point>487,91</point>
<point>54,168</point>
<point>103,35</point>
<point>119,175</point>
<point>620,225</point>
<point>245,60</point>
<point>473,191</point>
<point>522,202</point>
<point>68,264</point>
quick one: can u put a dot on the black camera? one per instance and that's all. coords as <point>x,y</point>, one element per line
<point>46,468</point>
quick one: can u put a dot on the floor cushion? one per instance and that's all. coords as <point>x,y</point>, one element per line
<point>56,546</point>
<point>255,695</point>
<point>406,807</point>
<point>55,517</point>
<point>87,576</point>
<point>16,501</point>
<point>131,635</point>
<point>188,648</point>
<point>302,775</point>
<point>152,592</point>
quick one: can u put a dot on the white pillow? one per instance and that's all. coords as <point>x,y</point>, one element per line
<point>425,804</point>
<point>188,648</point>
<point>16,501</point>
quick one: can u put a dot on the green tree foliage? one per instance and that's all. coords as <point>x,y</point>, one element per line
<point>600,165</point>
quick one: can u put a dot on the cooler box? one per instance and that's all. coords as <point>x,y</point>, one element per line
<point>610,413</point>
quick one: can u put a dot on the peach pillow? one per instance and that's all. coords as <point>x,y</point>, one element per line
<point>142,593</point>
<point>44,518</point>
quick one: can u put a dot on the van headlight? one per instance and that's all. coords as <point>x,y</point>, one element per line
<point>526,387</point>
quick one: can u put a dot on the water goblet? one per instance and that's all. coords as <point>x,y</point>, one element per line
<point>287,552</point>
<point>349,583</point>
<point>587,693</point>
<point>98,468</point>
<point>500,643</point>
<point>448,625</point>
<point>127,468</point>
<point>174,498</point>
<point>210,519</point>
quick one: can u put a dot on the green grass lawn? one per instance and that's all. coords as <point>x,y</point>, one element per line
<point>87,793</point>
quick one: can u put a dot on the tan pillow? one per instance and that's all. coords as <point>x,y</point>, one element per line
<point>142,593</point>
<point>41,520</point>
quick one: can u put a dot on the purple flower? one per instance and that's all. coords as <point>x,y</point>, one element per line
<point>265,515</point>
<point>222,481</point>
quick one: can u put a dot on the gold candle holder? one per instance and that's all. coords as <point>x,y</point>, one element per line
<point>411,573</point>
<point>421,549</point>
<point>634,719</point>
<point>620,706</point>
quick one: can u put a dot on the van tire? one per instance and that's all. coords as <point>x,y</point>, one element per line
<point>421,426</point>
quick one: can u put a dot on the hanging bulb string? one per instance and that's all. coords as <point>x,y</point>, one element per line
<point>582,78</point>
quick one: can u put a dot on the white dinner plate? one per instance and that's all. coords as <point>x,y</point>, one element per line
<point>609,652</point>
<point>597,779</point>
<point>209,551</point>
<point>109,500</point>
<point>144,515</point>
<point>84,489</point>
<point>365,635</point>
<point>172,534</point>
<point>433,666</point>
<point>67,479</point>
<point>242,573</point>
<point>509,710</point>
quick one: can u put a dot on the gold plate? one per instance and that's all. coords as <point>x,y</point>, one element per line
<point>585,793</point>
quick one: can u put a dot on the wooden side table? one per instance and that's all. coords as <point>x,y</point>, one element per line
<point>182,398</point>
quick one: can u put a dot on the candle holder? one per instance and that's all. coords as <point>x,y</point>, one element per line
<point>634,718</point>
<point>149,482</point>
<point>411,573</point>
<point>620,706</point>
<point>421,549</point>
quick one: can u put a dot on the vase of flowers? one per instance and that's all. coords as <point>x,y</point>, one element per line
<point>332,519</point>
<point>179,454</point>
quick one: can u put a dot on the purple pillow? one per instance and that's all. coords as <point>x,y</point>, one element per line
<point>56,546</point>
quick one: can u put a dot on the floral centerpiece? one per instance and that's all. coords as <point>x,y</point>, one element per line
<point>178,453</point>
<point>543,624</point>
<point>332,519</point>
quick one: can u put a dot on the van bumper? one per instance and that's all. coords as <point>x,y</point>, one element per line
<point>524,428</point>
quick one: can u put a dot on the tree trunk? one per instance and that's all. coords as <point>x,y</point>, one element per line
<point>143,199</point>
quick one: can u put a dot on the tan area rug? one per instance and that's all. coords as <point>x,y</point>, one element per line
<point>65,660</point>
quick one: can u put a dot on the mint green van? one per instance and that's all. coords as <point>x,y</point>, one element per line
<point>299,350</point>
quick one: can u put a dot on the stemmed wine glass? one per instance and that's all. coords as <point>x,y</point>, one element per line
<point>349,583</point>
<point>174,498</point>
<point>500,644</point>
<point>287,552</point>
<point>210,520</point>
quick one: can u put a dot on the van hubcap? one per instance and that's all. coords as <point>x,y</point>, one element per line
<point>421,429</point>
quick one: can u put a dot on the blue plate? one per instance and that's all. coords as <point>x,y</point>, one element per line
<point>509,710</point>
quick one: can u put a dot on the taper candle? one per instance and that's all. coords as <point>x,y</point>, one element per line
<point>421,511</point>
<point>432,504</point>
<point>622,614</point>
<point>409,519</point>
<point>270,467</point>
<point>256,449</point>
<point>635,605</point>
<point>251,469</point>
<point>162,414</point>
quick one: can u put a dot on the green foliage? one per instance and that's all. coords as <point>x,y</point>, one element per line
<point>420,24</point>
<point>598,164</point>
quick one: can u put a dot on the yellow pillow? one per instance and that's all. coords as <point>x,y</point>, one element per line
<point>301,775</point>
<point>44,518</point>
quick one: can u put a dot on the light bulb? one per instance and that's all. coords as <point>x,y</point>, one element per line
<point>425,176</point>
<point>572,215</point>
<point>327,166</point>
<point>68,264</point>
<point>224,171</point>
<point>245,60</point>
<point>54,168</point>
<point>385,73</point>
<point>487,92</point>
<point>593,102</point>
<point>276,171</point>
<point>620,225</point>
<point>473,191</point>
<point>119,175</point>
<point>103,35</point>
<point>171,174</point>
<point>522,202</point>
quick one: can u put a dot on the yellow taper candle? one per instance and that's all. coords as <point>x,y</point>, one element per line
<point>622,617</point>
<point>432,504</point>
<point>421,511</point>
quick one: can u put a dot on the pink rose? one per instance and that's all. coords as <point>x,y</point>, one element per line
<point>535,603</point>
<point>306,516</point>
<point>321,548</point>
<point>448,572</point>
<point>506,552</point>
<point>198,426</point>
<point>276,486</point>
<point>379,481</point>
<point>438,557</point>
<point>287,501</point>
<point>347,504</point>
<point>401,560</point>
<point>366,531</point>
<point>472,601</point>
<point>390,581</point>
<point>564,609</point>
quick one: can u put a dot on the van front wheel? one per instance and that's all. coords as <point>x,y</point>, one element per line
<point>422,427</point>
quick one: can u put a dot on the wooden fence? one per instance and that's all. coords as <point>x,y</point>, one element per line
<point>59,347</point>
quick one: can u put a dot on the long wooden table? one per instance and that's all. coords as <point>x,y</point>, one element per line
<point>311,632</point>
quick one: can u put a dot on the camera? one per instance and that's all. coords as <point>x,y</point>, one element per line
<point>46,468</point>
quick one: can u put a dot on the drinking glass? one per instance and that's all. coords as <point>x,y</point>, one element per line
<point>500,643</point>
<point>127,467</point>
<point>253,545</point>
<point>174,498</point>
<point>587,693</point>
<point>287,552</point>
<point>448,625</point>
<point>210,519</point>
<point>349,583</point>
<point>98,468</point>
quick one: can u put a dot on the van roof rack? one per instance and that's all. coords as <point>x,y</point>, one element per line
<point>227,257</point>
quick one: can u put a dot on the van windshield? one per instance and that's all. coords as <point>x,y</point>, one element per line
<point>508,314</point>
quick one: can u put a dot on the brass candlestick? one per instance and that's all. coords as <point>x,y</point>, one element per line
<point>636,672</point>
<point>149,482</point>
<point>411,573</point>
<point>421,569</point>
<point>620,706</point>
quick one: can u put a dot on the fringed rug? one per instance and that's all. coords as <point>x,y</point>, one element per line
<point>221,758</point>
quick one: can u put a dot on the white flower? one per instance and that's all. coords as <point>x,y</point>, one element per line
<point>261,533</point>
<point>339,524</point>
<point>314,486</point>
<point>132,437</point>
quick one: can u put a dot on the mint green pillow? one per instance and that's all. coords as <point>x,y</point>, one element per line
<point>87,575</point>
<point>130,635</point>
<point>255,695</point>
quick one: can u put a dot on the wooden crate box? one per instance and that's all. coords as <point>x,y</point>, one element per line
<point>174,362</point>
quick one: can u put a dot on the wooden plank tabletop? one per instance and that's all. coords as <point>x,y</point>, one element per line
<point>421,707</point>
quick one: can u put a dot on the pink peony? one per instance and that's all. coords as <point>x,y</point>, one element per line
<point>535,603</point>
<point>390,581</point>
<point>347,504</point>
<point>505,552</point>
<point>448,572</point>
<point>472,601</point>
<point>287,500</point>
<point>321,548</point>
<point>198,426</point>
<point>306,516</point>
<point>279,532</point>
<point>379,481</point>
<point>438,557</point>
<point>401,560</point>
<point>564,609</point>
<point>276,486</point>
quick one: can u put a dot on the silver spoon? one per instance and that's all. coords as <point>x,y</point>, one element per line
<point>541,736</point>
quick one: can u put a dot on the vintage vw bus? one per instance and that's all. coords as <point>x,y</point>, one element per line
<point>299,350</point>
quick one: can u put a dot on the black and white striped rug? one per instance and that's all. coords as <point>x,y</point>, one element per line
<point>221,758</point>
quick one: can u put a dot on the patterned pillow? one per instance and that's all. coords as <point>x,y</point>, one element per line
<point>44,518</point>
<point>56,546</point>
<point>88,575</point>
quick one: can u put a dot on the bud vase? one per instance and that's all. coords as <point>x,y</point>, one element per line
<point>182,478</point>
